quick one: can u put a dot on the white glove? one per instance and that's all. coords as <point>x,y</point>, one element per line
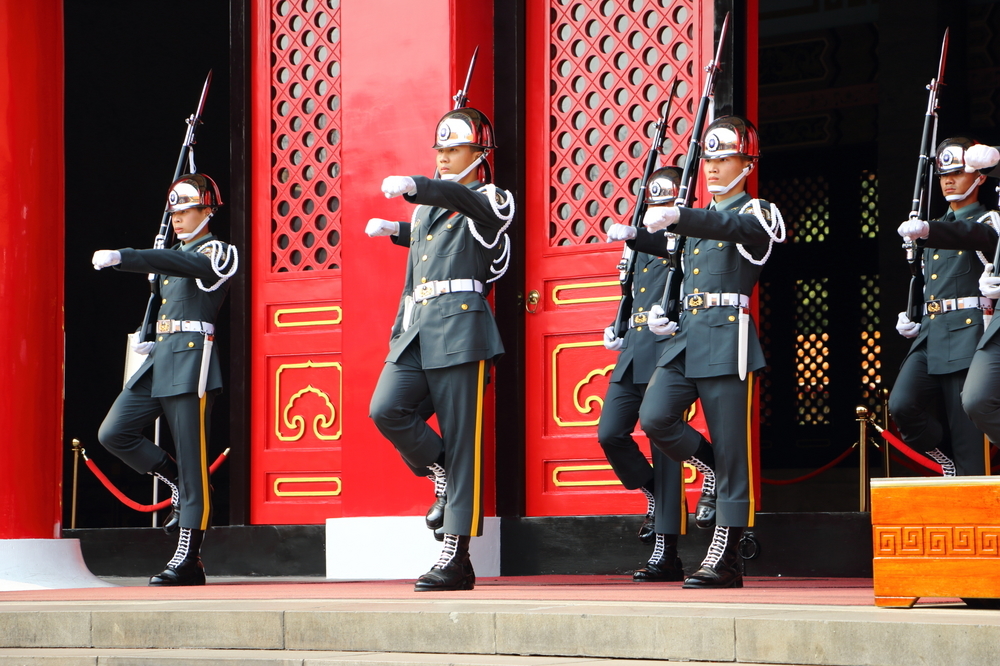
<point>659,323</point>
<point>379,227</point>
<point>105,258</point>
<point>658,218</point>
<point>393,186</point>
<point>914,229</point>
<point>143,347</point>
<point>611,341</point>
<point>907,328</point>
<point>980,157</point>
<point>989,286</point>
<point>620,232</point>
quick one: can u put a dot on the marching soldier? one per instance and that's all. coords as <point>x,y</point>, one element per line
<point>445,338</point>
<point>713,350</point>
<point>180,377</point>
<point>927,400</point>
<point>661,482</point>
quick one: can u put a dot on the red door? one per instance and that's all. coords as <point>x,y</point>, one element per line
<point>597,76</point>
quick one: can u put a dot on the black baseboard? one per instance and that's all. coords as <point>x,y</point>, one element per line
<point>791,544</point>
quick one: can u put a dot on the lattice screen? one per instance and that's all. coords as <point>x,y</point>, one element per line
<point>305,135</point>
<point>812,351</point>
<point>764,375</point>
<point>805,204</point>
<point>871,346</point>
<point>612,64</point>
<point>869,205</point>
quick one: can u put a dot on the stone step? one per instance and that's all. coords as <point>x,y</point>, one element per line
<point>484,628</point>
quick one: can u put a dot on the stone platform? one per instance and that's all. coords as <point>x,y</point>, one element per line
<point>507,620</point>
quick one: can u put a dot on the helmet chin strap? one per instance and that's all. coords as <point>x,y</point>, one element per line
<point>459,176</point>
<point>186,237</point>
<point>723,189</point>
<point>958,197</point>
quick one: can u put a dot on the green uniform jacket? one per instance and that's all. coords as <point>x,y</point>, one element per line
<point>713,264</point>
<point>642,347</point>
<point>458,327</point>
<point>176,358</point>
<point>952,271</point>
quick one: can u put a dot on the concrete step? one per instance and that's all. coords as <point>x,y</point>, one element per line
<point>485,628</point>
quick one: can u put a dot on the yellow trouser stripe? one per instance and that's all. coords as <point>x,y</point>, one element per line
<point>682,505</point>
<point>204,462</point>
<point>986,455</point>
<point>750,477</point>
<point>477,473</point>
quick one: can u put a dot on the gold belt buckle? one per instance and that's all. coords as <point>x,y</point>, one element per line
<point>933,307</point>
<point>426,290</point>
<point>695,301</point>
<point>163,326</point>
<point>640,319</point>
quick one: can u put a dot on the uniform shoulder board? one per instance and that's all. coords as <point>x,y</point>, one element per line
<point>206,249</point>
<point>499,194</point>
<point>765,208</point>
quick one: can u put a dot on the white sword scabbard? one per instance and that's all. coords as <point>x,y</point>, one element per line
<point>206,358</point>
<point>744,336</point>
<point>407,311</point>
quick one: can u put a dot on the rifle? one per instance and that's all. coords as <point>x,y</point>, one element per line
<point>185,164</point>
<point>920,207</point>
<point>462,96</point>
<point>671,302</point>
<point>626,265</point>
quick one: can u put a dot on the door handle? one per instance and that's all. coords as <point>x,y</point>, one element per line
<point>533,298</point>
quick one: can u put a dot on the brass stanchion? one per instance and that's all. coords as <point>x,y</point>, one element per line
<point>884,394</point>
<point>77,448</point>
<point>863,476</point>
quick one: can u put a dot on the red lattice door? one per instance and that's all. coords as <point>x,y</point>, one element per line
<point>598,74</point>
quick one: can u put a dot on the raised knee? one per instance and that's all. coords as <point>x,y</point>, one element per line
<point>653,420</point>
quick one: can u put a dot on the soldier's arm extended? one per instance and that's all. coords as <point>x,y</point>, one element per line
<point>168,262</point>
<point>403,237</point>
<point>722,225</point>
<point>962,235</point>
<point>459,198</point>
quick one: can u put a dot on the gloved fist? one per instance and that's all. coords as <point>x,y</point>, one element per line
<point>980,157</point>
<point>989,286</point>
<point>620,232</point>
<point>907,328</point>
<point>659,323</point>
<point>914,229</point>
<point>393,186</point>
<point>143,347</point>
<point>105,258</point>
<point>658,218</point>
<point>379,227</point>
<point>611,341</point>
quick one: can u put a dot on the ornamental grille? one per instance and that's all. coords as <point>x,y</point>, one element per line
<point>305,135</point>
<point>871,345</point>
<point>766,393</point>
<point>812,352</point>
<point>869,205</point>
<point>612,64</point>
<point>805,205</point>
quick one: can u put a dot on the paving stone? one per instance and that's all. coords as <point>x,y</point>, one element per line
<point>45,629</point>
<point>188,629</point>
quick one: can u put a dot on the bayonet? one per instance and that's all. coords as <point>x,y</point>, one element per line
<point>462,96</point>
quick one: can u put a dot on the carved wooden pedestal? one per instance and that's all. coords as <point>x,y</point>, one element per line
<point>936,537</point>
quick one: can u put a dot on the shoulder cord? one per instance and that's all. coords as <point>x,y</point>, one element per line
<point>490,190</point>
<point>220,257</point>
<point>991,218</point>
<point>777,223</point>
<point>505,258</point>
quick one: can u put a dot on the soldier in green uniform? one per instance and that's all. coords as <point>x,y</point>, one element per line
<point>180,377</point>
<point>712,351</point>
<point>444,338</point>
<point>926,401</point>
<point>661,482</point>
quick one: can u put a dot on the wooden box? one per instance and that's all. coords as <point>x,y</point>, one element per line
<point>935,537</point>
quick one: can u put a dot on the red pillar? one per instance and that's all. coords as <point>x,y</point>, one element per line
<point>31,268</point>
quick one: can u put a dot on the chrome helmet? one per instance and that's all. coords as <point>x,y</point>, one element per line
<point>191,191</point>
<point>465,127</point>
<point>730,135</point>
<point>662,186</point>
<point>951,154</point>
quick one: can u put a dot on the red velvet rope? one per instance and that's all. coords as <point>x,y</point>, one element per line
<point>916,457</point>
<point>145,508</point>
<point>815,472</point>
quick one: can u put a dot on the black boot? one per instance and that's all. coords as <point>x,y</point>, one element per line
<point>453,570</point>
<point>722,566</point>
<point>435,514</point>
<point>663,565</point>
<point>703,460</point>
<point>646,532</point>
<point>166,472</point>
<point>185,568</point>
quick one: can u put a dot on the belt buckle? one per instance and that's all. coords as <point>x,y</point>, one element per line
<point>933,307</point>
<point>163,325</point>
<point>425,290</point>
<point>695,300</point>
<point>640,318</point>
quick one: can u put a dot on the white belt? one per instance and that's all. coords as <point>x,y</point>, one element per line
<point>434,288</point>
<point>948,304</point>
<point>177,326</point>
<point>709,300</point>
